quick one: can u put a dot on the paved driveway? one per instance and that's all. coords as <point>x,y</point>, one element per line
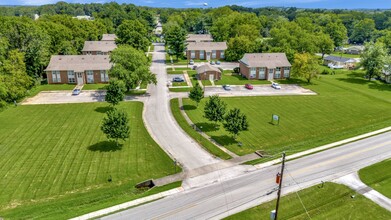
<point>259,90</point>
<point>60,97</point>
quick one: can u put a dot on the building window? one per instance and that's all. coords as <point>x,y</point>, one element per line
<point>90,76</point>
<point>71,76</point>
<point>99,53</point>
<point>222,54</point>
<point>192,56</point>
<point>104,77</point>
<point>253,72</point>
<point>278,73</point>
<point>56,77</point>
<point>286,72</point>
<point>262,73</point>
<point>202,54</point>
<point>213,54</point>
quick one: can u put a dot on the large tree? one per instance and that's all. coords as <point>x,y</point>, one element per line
<point>116,125</point>
<point>197,93</point>
<point>238,46</point>
<point>373,59</point>
<point>115,92</point>
<point>131,66</point>
<point>325,44</point>
<point>235,122</point>
<point>133,33</point>
<point>362,31</point>
<point>175,37</point>
<point>305,65</point>
<point>215,109</point>
<point>337,32</point>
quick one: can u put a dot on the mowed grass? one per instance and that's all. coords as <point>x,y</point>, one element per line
<point>378,176</point>
<point>333,201</point>
<point>346,105</point>
<point>57,154</point>
<point>231,78</point>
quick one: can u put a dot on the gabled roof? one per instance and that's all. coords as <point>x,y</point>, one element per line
<point>339,59</point>
<point>268,60</point>
<point>103,46</point>
<point>109,37</point>
<point>206,67</point>
<point>79,63</point>
<point>199,37</point>
<point>207,46</point>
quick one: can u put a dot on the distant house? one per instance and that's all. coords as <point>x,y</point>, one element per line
<point>98,47</point>
<point>354,49</point>
<point>206,50</point>
<point>199,38</point>
<point>267,66</point>
<point>109,37</point>
<point>84,17</point>
<point>78,69</point>
<point>386,75</point>
<point>339,62</point>
<point>208,72</point>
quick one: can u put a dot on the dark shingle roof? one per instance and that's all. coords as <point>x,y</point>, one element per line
<point>269,60</point>
<point>338,59</point>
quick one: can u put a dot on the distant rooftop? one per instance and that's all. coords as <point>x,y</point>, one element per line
<point>199,37</point>
<point>269,60</point>
<point>109,37</point>
<point>79,63</point>
<point>339,59</point>
<point>103,46</point>
<point>207,46</point>
<point>206,67</point>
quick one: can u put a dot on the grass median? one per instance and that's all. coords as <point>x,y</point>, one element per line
<point>333,201</point>
<point>57,156</point>
<point>378,176</point>
<point>210,147</point>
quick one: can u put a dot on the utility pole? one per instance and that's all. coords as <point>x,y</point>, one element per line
<point>280,185</point>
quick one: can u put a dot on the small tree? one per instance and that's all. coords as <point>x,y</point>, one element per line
<point>215,109</point>
<point>196,94</point>
<point>115,92</point>
<point>373,59</point>
<point>305,65</point>
<point>235,122</point>
<point>116,125</point>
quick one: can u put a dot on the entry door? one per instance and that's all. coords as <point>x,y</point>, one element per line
<point>211,77</point>
<point>207,55</point>
<point>270,74</point>
<point>80,80</point>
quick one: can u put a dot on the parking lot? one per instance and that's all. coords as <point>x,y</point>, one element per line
<point>60,97</point>
<point>258,90</point>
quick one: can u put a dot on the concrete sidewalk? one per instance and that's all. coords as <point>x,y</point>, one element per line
<point>354,182</point>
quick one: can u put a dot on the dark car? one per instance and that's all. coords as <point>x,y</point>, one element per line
<point>227,87</point>
<point>178,79</point>
<point>249,86</point>
<point>76,92</point>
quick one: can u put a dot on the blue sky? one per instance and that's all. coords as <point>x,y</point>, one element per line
<point>342,4</point>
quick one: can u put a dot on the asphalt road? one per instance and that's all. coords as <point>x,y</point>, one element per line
<point>226,198</point>
<point>163,127</point>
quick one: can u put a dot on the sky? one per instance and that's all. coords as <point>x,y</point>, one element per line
<point>329,4</point>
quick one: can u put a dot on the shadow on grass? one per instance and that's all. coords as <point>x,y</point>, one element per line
<point>224,140</point>
<point>206,127</point>
<point>189,107</point>
<point>373,84</point>
<point>102,109</point>
<point>105,146</point>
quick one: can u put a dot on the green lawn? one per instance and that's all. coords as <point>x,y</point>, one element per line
<point>231,78</point>
<point>333,201</point>
<point>94,86</point>
<point>378,176</point>
<point>55,161</point>
<point>346,55</point>
<point>346,105</point>
<point>180,89</point>
<point>211,148</point>
<point>179,84</point>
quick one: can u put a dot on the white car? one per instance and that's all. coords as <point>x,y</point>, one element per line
<point>276,85</point>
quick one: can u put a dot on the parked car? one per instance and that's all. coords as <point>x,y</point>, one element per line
<point>194,67</point>
<point>249,86</point>
<point>227,87</point>
<point>276,85</point>
<point>212,63</point>
<point>76,92</point>
<point>178,79</point>
<point>218,63</point>
<point>191,62</point>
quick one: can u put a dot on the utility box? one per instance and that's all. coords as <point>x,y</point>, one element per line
<point>273,215</point>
